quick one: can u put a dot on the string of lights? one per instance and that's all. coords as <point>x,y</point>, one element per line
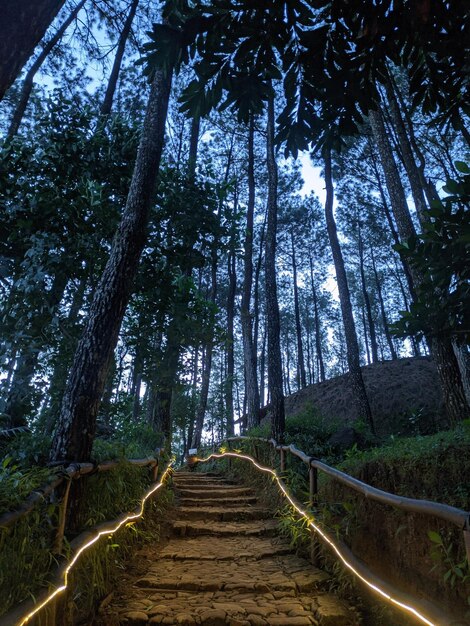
<point>129,519</point>
<point>333,545</point>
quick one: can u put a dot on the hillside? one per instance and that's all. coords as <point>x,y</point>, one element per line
<point>395,389</point>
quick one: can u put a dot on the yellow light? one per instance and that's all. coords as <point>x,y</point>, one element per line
<point>405,607</point>
<point>130,519</point>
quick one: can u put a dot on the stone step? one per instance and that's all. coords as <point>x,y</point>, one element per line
<point>224,548</point>
<point>180,473</point>
<point>205,486</point>
<point>194,528</point>
<point>236,609</point>
<point>223,514</point>
<point>229,501</point>
<point>225,566</point>
<point>288,574</point>
<point>225,492</point>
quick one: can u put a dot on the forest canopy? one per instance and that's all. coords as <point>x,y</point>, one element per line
<point>168,272</point>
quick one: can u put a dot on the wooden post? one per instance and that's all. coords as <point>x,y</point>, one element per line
<point>466,538</point>
<point>155,471</point>
<point>59,538</point>
<point>313,485</point>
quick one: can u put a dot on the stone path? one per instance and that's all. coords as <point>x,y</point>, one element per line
<point>224,565</point>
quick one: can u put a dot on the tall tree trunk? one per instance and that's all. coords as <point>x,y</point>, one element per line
<point>412,171</point>
<point>107,104</point>
<point>29,78</point>
<point>388,337</point>
<point>463,357</point>
<point>429,188</point>
<point>365,294</point>
<point>204,392</point>
<point>50,409</point>
<point>272,306</point>
<point>249,346</point>
<point>22,27</point>
<point>388,215</point>
<point>168,372</point>
<point>136,383</point>
<point>302,379</point>
<point>352,348</point>
<point>262,370</point>
<point>207,361</point>
<point>74,435</point>
<point>366,338</point>
<point>287,389</point>
<point>319,349</point>
<point>232,286</point>
<point>256,299</point>
<point>310,352</point>
<point>440,347</point>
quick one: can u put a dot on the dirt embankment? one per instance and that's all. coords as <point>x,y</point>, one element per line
<point>395,388</point>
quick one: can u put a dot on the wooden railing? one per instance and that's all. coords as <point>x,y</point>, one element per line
<point>61,484</point>
<point>74,471</point>
<point>445,512</point>
<point>450,514</point>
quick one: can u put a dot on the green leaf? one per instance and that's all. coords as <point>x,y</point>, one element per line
<point>435,537</point>
<point>462,167</point>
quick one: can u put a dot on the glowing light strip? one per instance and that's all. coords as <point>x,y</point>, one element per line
<point>107,531</point>
<point>406,607</point>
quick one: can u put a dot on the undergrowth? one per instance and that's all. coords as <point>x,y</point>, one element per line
<point>26,558</point>
<point>17,482</point>
<point>425,553</point>
<point>431,466</point>
<point>308,430</point>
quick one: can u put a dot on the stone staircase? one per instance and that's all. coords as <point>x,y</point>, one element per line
<point>224,565</point>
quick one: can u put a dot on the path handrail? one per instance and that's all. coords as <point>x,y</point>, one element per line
<point>427,611</point>
<point>72,471</point>
<point>27,608</point>
<point>446,512</point>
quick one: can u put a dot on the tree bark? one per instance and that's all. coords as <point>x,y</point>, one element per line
<point>262,370</point>
<point>232,287</point>
<point>249,348</point>
<point>256,298</point>
<point>426,184</point>
<point>207,361</point>
<point>74,435</point>
<point>319,349</point>
<point>393,352</point>
<point>302,379</point>
<point>29,78</point>
<point>22,27</point>
<point>411,168</point>
<point>440,347</point>
<point>365,294</point>
<point>162,421</point>
<point>272,306</point>
<point>107,104</point>
<point>366,338</point>
<point>352,348</point>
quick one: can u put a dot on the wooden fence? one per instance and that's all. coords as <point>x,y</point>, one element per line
<point>62,484</point>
